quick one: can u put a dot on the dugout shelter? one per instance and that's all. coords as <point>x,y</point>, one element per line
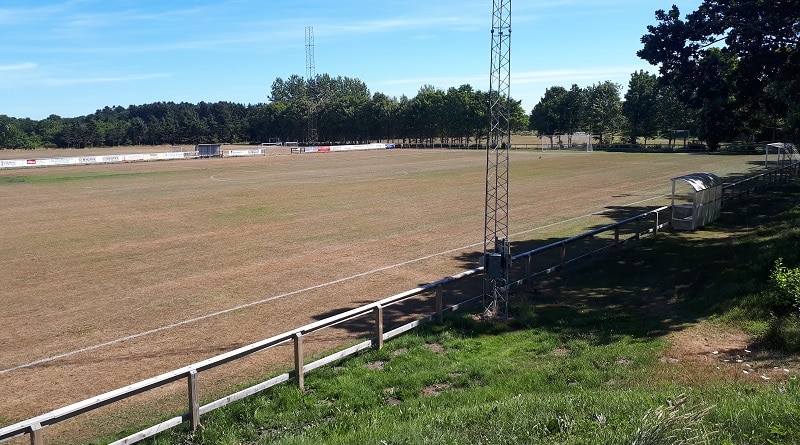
<point>209,150</point>
<point>699,200</point>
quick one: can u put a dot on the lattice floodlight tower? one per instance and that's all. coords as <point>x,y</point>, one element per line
<point>496,249</point>
<point>311,80</point>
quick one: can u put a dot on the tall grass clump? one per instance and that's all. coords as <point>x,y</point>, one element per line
<point>674,424</point>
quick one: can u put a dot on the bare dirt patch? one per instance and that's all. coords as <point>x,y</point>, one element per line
<point>562,352</point>
<point>376,366</point>
<point>704,351</point>
<point>435,389</point>
<point>436,348</point>
<point>392,401</point>
<point>399,352</point>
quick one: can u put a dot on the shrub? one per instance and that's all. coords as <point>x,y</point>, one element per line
<point>784,333</point>
<point>674,424</point>
<point>783,297</point>
<point>785,286</point>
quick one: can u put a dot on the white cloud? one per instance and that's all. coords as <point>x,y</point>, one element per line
<point>439,82</point>
<point>572,75</point>
<point>90,80</point>
<point>18,67</point>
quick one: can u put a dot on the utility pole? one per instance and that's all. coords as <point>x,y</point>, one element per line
<point>311,86</point>
<point>496,248</point>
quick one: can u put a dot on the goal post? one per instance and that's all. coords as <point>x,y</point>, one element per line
<point>575,142</point>
<point>781,152</point>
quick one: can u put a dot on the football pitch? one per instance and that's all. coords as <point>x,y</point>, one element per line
<point>115,273</point>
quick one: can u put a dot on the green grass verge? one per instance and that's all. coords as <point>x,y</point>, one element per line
<point>58,178</point>
<point>578,363</point>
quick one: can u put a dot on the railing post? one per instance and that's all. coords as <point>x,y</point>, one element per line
<point>616,235</point>
<point>439,304</point>
<point>563,254</point>
<point>36,434</point>
<point>378,312</point>
<point>655,228</point>
<point>528,262</point>
<point>194,399</point>
<point>298,360</point>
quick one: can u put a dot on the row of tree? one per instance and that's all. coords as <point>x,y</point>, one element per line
<point>648,110</point>
<point>344,111</point>
<point>730,69</point>
<point>341,108</point>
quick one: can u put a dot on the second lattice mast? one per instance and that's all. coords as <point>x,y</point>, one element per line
<point>496,248</point>
<point>311,85</point>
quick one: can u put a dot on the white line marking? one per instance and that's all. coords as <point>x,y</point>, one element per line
<point>287,294</point>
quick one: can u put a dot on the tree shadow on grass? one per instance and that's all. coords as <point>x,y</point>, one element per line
<point>666,283</point>
<point>654,287</point>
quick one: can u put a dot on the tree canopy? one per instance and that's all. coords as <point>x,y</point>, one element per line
<point>596,109</point>
<point>734,61</point>
<point>728,71</point>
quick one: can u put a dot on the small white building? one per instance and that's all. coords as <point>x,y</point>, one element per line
<point>699,200</point>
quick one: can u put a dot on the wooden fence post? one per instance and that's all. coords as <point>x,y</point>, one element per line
<point>439,304</point>
<point>36,434</point>
<point>298,360</point>
<point>378,312</point>
<point>194,399</point>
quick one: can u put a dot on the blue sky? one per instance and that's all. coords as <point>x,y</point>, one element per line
<point>73,57</point>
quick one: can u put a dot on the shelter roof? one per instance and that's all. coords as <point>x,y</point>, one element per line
<point>700,181</point>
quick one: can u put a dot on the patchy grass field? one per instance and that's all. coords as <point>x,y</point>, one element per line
<point>115,273</point>
<point>637,348</point>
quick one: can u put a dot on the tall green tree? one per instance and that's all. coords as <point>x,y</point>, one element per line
<point>675,119</point>
<point>604,110</point>
<point>293,89</point>
<point>426,111</point>
<point>11,136</point>
<point>383,111</point>
<point>51,131</point>
<point>548,116</point>
<point>746,50</point>
<point>560,111</point>
<point>641,106</point>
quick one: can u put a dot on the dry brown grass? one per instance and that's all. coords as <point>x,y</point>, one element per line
<point>94,254</point>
